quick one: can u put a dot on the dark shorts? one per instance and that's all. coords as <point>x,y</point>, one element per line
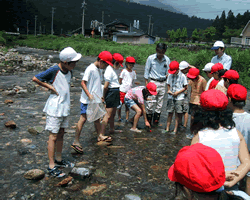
<point>84,108</point>
<point>193,108</point>
<point>174,105</point>
<point>112,98</point>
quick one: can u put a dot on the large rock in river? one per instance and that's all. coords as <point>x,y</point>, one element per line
<point>34,174</point>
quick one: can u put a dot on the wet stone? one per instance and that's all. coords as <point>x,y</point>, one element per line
<point>10,124</point>
<point>81,173</point>
<point>132,197</point>
<point>94,188</point>
<point>8,101</point>
<point>64,181</point>
<point>36,130</point>
<point>34,174</point>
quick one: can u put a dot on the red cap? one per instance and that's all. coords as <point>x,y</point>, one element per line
<point>130,59</point>
<point>216,67</point>
<point>213,84</point>
<point>193,73</point>
<point>119,58</point>
<point>106,56</point>
<point>152,88</point>
<point>231,74</point>
<point>213,100</point>
<point>173,67</point>
<point>199,168</point>
<point>237,92</point>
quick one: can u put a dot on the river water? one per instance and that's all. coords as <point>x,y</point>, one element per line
<point>135,163</point>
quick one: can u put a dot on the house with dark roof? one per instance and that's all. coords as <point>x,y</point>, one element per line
<point>133,37</point>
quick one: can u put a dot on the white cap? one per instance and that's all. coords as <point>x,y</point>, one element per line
<point>183,65</point>
<point>68,54</point>
<point>208,67</point>
<point>217,45</point>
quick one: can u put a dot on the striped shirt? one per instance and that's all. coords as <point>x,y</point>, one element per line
<point>225,60</point>
<point>156,69</point>
<point>136,94</point>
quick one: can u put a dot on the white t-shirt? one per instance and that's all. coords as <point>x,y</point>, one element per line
<point>221,82</point>
<point>208,83</point>
<point>127,80</point>
<point>92,75</point>
<point>111,77</point>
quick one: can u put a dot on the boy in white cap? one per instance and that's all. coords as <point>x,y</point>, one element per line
<point>207,70</point>
<point>57,79</point>
<point>221,56</point>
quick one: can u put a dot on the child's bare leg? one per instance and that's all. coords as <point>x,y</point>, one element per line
<point>112,121</point>
<point>185,119</point>
<point>97,126</point>
<point>177,118</point>
<point>170,115</point>
<point>59,144</point>
<point>127,112</point>
<point>248,185</point>
<point>136,117</point>
<point>79,126</point>
<point>119,113</point>
<point>104,123</point>
<point>51,149</point>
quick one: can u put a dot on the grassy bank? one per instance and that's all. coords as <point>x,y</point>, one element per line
<point>92,47</point>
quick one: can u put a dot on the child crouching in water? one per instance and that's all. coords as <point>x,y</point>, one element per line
<point>126,80</point>
<point>135,98</point>
<point>57,108</point>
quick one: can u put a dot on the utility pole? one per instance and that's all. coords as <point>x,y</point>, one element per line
<point>28,26</point>
<point>102,24</point>
<point>44,29</point>
<point>35,23</point>
<point>52,31</point>
<point>152,29</point>
<point>149,23</point>
<point>61,31</point>
<point>83,6</point>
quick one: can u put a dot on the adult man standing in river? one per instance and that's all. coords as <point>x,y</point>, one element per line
<point>156,71</point>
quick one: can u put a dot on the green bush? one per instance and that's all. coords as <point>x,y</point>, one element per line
<point>2,41</point>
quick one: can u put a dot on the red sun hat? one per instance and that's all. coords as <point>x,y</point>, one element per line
<point>173,67</point>
<point>106,56</point>
<point>152,88</point>
<point>216,67</point>
<point>213,100</point>
<point>130,59</point>
<point>231,74</point>
<point>119,58</point>
<point>237,92</point>
<point>199,168</point>
<point>193,73</point>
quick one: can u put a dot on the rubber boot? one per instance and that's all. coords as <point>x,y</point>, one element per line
<point>156,118</point>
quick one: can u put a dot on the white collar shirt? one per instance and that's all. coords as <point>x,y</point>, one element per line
<point>156,69</point>
<point>225,60</point>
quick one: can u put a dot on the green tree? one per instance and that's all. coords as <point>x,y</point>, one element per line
<point>222,23</point>
<point>231,21</point>
<point>209,33</point>
<point>231,33</point>
<point>195,35</point>
<point>239,21</point>
<point>178,35</point>
<point>184,34</point>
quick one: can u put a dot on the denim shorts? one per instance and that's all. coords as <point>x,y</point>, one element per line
<point>84,108</point>
<point>130,102</point>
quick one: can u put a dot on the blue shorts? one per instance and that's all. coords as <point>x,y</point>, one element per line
<point>84,108</point>
<point>130,102</point>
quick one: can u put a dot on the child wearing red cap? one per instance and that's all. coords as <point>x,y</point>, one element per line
<point>214,127</point>
<point>230,77</point>
<point>177,85</point>
<point>199,173</point>
<point>91,83</point>
<point>111,94</point>
<point>135,98</point>
<point>237,100</point>
<point>198,85</point>
<point>126,80</point>
<point>218,71</point>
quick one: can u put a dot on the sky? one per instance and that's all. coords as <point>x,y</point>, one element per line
<point>207,9</point>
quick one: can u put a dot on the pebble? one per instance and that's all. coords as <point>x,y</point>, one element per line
<point>34,174</point>
<point>131,197</point>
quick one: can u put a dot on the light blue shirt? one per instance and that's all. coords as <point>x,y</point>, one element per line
<point>156,69</point>
<point>225,60</point>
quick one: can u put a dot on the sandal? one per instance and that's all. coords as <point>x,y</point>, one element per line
<point>106,139</point>
<point>56,172</point>
<point>64,163</point>
<point>136,130</point>
<point>77,148</point>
